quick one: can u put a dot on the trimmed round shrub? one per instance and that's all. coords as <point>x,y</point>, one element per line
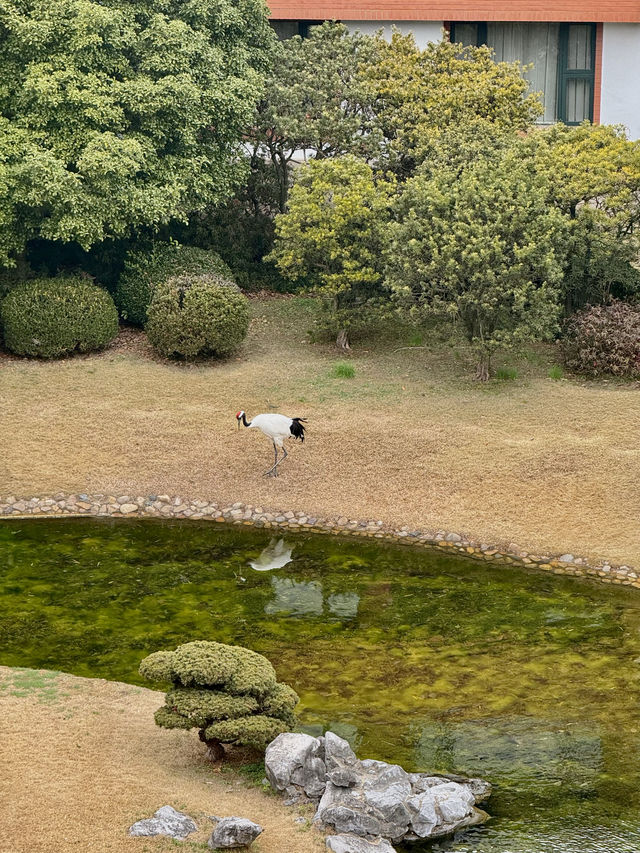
<point>191,316</point>
<point>604,340</point>
<point>229,693</point>
<point>144,270</point>
<point>12,277</point>
<point>49,317</point>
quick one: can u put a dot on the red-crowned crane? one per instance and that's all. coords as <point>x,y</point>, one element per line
<point>277,428</point>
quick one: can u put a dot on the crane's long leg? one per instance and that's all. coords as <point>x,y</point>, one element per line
<point>284,456</point>
<point>274,468</point>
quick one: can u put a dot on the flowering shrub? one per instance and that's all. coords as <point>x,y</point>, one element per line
<point>604,340</point>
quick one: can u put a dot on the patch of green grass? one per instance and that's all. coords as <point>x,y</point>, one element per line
<point>415,340</point>
<point>506,374</point>
<point>253,771</point>
<point>343,370</point>
<point>32,682</point>
<point>556,372</point>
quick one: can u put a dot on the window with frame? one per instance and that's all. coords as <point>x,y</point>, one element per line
<point>562,57</point>
<point>286,29</point>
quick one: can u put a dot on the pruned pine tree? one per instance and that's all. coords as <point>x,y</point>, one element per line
<point>229,693</point>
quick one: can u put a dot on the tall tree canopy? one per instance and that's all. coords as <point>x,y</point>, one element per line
<point>594,178</point>
<point>334,235</point>
<point>337,93</point>
<point>316,101</point>
<point>116,114</point>
<point>418,95</point>
<point>480,246</point>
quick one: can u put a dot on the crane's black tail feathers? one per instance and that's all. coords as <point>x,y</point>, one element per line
<point>297,430</point>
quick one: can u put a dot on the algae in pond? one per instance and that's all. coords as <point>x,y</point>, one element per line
<point>429,660</point>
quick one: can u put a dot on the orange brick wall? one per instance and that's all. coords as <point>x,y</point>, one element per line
<point>465,10</point>
<point>597,76</point>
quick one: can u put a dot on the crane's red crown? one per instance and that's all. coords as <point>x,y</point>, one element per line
<point>239,415</point>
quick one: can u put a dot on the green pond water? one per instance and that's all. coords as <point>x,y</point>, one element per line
<point>438,663</point>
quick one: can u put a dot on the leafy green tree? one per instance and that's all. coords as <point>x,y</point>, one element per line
<point>392,105</point>
<point>315,101</point>
<point>334,234</point>
<point>420,95</point>
<point>117,115</point>
<point>312,107</point>
<point>482,247</point>
<point>229,693</point>
<point>594,178</point>
<point>338,93</point>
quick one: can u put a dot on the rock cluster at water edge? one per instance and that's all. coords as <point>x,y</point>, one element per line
<point>368,799</point>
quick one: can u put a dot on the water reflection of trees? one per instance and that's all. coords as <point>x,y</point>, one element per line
<point>305,598</point>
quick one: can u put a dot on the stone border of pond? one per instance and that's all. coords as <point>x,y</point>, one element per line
<point>168,506</point>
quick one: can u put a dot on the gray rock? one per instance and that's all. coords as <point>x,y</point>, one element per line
<point>454,802</point>
<point>370,799</point>
<point>234,832</point>
<point>442,810</point>
<point>166,821</point>
<point>286,754</point>
<point>311,777</point>
<point>375,805</point>
<point>387,801</point>
<point>355,844</point>
<point>480,789</point>
<point>424,817</point>
<point>294,796</point>
<point>340,761</point>
<point>345,810</point>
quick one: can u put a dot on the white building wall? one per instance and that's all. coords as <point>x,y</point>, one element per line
<point>423,31</point>
<point>620,103</point>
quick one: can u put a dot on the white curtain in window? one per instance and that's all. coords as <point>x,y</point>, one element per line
<point>579,48</point>
<point>535,44</point>
<point>578,100</point>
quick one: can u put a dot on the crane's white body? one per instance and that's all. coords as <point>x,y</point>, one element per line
<point>276,427</point>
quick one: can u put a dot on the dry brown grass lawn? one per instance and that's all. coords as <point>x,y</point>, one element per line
<point>549,465</point>
<point>82,760</point>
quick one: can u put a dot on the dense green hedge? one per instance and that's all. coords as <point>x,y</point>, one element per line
<point>49,317</point>
<point>197,315</point>
<point>143,270</point>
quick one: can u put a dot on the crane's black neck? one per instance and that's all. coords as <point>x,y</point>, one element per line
<point>244,419</point>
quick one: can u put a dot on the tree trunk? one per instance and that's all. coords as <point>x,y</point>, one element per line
<point>215,750</point>
<point>483,368</point>
<point>342,341</point>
